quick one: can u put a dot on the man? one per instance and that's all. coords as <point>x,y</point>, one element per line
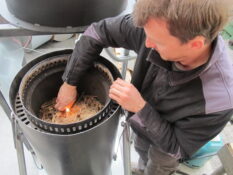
<point>182,85</point>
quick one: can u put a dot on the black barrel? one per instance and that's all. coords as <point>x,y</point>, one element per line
<point>63,13</point>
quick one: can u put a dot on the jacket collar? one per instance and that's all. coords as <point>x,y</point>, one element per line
<point>180,77</point>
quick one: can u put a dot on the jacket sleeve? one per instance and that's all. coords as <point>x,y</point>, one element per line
<point>114,32</point>
<point>182,138</point>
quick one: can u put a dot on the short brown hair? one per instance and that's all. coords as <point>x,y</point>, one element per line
<point>186,19</point>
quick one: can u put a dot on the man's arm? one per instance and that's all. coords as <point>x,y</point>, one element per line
<point>114,32</point>
<point>111,32</point>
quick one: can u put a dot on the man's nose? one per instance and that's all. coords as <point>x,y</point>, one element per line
<point>150,44</point>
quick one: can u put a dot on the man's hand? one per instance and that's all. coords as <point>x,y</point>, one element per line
<point>66,96</point>
<point>126,95</point>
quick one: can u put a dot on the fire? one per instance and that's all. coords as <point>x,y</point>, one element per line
<point>67,109</point>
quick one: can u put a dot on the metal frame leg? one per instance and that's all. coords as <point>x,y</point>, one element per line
<point>124,69</point>
<point>126,131</point>
<point>20,150</point>
<point>17,135</point>
<point>126,149</point>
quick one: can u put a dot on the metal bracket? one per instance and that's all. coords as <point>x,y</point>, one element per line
<point>7,30</point>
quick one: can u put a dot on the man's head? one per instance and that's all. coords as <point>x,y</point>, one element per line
<point>186,19</point>
<point>186,23</point>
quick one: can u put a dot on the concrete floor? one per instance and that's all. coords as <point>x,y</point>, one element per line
<point>8,158</point>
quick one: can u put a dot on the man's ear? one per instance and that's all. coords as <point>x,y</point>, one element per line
<point>198,42</point>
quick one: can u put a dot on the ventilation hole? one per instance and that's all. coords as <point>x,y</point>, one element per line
<point>18,111</point>
<point>40,125</point>
<point>68,129</point>
<point>23,119</point>
<point>74,128</point>
<point>62,130</point>
<point>95,121</point>
<point>36,128</point>
<point>45,127</point>
<point>50,128</point>
<point>56,129</point>
<point>18,102</point>
<point>79,127</point>
<point>22,115</point>
<point>99,117</point>
<point>90,123</point>
<point>19,106</point>
<point>85,125</point>
<point>27,122</point>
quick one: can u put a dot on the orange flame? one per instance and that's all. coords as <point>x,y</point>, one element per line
<point>67,109</point>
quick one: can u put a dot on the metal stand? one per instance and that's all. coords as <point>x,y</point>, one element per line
<point>20,150</point>
<point>125,124</point>
<point>126,149</point>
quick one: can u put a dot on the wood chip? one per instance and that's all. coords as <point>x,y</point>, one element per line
<point>83,109</point>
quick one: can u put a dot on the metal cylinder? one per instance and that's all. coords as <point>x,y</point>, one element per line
<point>88,152</point>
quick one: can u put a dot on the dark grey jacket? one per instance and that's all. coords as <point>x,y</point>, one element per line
<point>185,109</point>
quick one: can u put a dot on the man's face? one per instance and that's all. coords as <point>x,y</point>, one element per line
<point>159,38</point>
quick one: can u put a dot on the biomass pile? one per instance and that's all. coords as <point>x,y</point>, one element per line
<point>84,108</point>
